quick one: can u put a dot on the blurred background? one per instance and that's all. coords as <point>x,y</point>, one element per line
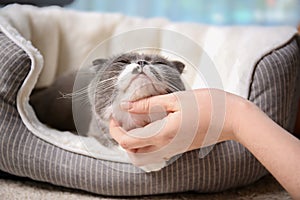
<point>218,12</point>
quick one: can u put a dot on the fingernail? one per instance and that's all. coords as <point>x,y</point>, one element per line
<point>126,105</point>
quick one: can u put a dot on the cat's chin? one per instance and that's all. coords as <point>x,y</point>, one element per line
<point>144,91</point>
<point>138,97</point>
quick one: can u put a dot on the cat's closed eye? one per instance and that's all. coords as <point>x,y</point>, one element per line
<point>159,63</point>
<point>123,61</point>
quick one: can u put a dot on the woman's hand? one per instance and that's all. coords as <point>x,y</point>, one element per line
<point>207,116</point>
<point>192,119</point>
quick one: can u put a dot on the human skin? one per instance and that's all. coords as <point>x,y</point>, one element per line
<point>273,146</point>
<point>297,125</point>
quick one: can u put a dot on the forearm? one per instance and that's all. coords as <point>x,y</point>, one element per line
<point>297,125</point>
<point>274,147</point>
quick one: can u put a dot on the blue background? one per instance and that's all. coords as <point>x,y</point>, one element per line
<point>220,12</point>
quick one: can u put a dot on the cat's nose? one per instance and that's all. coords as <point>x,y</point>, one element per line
<point>142,63</point>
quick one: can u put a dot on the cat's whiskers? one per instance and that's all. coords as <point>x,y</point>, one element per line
<point>103,86</point>
<point>103,90</point>
<point>76,93</point>
<point>82,93</point>
<point>106,80</point>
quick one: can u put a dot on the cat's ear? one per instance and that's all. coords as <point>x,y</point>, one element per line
<point>97,64</point>
<point>179,66</point>
<point>99,61</point>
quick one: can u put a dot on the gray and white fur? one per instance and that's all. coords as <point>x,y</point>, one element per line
<point>128,77</point>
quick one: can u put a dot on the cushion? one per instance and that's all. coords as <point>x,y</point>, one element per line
<point>228,165</point>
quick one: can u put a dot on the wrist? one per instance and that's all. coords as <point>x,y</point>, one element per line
<point>227,123</point>
<point>237,110</point>
<point>242,109</point>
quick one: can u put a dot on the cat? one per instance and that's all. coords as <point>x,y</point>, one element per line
<point>128,77</point>
<point>105,84</point>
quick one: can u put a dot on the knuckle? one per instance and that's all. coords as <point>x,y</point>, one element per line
<point>123,143</point>
<point>141,106</point>
<point>146,105</point>
<point>172,101</point>
<point>167,138</point>
<point>169,101</point>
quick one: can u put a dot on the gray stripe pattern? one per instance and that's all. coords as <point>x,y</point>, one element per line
<point>229,165</point>
<point>275,85</point>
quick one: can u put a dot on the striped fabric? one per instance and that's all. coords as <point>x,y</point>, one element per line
<point>274,87</point>
<point>228,165</point>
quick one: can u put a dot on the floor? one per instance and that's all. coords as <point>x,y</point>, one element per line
<point>267,188</point>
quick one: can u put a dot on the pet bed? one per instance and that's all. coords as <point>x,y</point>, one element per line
<point>39,44</point>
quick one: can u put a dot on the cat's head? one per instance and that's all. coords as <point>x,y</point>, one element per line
<point>133,76</point>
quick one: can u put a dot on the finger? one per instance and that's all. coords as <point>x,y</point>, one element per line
<point>160,103</point>
<point>115,130</point>
<point>157,134</point>
<point>173,139</point>
<point>114,123</point>
<point>125,140</point>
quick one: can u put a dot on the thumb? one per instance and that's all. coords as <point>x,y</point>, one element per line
<point>154,104</point>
